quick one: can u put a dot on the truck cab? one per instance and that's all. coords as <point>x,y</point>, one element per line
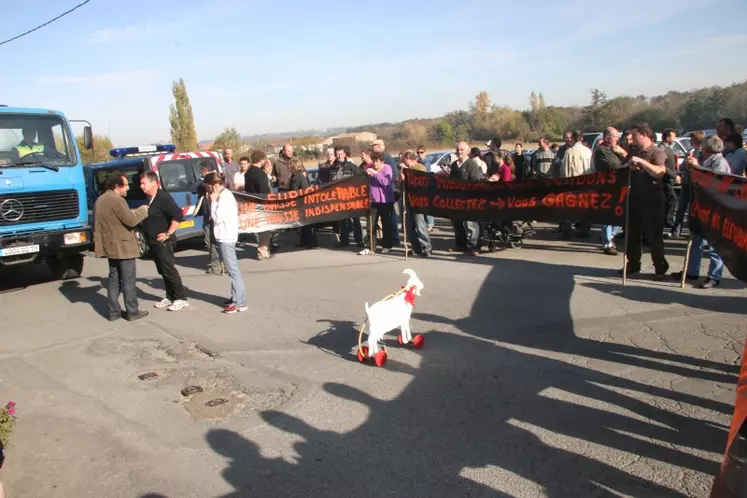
<point>179,174</point>
<point>43,205</point>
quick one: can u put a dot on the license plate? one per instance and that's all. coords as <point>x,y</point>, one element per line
<point>15,251</point>
<point>187,224</point>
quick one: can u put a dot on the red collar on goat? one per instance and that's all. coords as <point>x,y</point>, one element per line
<point>410,295</point>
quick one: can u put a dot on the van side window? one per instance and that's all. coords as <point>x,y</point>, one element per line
<point>174,176</point>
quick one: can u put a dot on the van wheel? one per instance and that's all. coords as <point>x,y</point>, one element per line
<point>66,267</point>
<point>142,246</point>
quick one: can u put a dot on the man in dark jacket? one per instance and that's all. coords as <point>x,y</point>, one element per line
<point>608,156</point>
<point>492,159</point>
<point>281,167</point>
<point>670,178</point>
<point>160,228</point>
<point>466,233</point>
<point>345,168</point>
<point>215,267</point>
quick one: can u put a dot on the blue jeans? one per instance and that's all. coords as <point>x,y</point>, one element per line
<point>715,269</point>
<point>682,208</point>
<point>228,256</point>
<point>417,232</point>
<point>122,277</point>
<point>608,235</point>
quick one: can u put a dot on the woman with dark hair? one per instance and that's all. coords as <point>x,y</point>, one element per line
<point>225,215</point>
<point>381,190</point>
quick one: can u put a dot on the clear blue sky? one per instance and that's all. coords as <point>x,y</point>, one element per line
<point>282,65</point>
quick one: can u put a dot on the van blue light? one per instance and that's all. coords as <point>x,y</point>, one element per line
<point>143,149</point>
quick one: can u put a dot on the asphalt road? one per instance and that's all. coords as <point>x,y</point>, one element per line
<point>541,376</point>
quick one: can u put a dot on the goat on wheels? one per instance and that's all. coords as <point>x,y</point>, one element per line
<point>390,313</point>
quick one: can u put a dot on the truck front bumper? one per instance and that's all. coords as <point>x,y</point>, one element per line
<point>18,249</point>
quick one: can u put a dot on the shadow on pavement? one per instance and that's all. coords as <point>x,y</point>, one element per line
<point>539,423</point>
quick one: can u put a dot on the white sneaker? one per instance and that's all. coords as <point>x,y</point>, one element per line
<point>163,303</point>
<point>178,305</point>
<point>364,252</point>
<point>385,251</point>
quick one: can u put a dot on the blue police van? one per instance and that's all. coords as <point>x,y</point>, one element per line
<point>180,175</point>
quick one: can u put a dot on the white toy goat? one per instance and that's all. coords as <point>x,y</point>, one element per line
<point>386,315</point>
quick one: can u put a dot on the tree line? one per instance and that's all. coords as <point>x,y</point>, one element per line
<point>483,120</point>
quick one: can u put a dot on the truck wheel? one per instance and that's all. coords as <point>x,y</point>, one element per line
<point>66,267</point>
<point>142,245</point>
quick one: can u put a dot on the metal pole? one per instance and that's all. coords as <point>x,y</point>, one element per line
<point>627,232</point>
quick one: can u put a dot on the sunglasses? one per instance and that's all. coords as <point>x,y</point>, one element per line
<point>421,152</point>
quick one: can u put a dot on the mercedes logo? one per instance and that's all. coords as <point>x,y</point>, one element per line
<point>11,210</point>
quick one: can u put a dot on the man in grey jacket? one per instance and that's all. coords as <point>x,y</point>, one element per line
<point>713,159</point>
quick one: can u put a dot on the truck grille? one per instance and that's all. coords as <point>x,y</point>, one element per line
<point>23,208</point>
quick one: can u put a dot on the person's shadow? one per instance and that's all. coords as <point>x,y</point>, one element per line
<point>476,402</point>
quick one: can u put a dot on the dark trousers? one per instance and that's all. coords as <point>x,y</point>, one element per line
<point>122,276</point>
<point>346,226</point>
<point>308,236</point>
<point>383,211</point>
<point>683,204</point>
<point>670,204</point>
<point>211,245</point>
<point>646,219</point>
<point>163,255</point>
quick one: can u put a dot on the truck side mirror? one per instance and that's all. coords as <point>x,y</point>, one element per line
<point>88,137</point>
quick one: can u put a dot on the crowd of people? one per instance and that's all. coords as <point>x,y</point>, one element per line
<point>653,205</point>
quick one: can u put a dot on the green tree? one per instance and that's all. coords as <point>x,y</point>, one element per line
<point>100,152</point>
<point>444,133</point>
<point>461,133</point>
<point>229,139</point>
<point>183,133</point>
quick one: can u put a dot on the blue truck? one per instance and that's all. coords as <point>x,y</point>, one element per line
<point>43,205</point>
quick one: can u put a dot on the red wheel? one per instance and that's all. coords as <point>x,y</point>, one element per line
<point>418,341</point>
<point>363,354</point>
<point>380,358</point>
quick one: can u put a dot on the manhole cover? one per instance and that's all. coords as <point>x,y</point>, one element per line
<point>146,376</point>
<point>190,390</point>
<point>216,402</point>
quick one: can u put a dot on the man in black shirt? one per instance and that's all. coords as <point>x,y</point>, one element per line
<point>255,182</point>
<point>159,227</point>
<point>345,168</point>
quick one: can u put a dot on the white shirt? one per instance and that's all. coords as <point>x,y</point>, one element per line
<point>238,181</point>
<point>577,161</point>
<point>225,215</point>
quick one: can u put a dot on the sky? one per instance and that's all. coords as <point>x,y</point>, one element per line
<point>283,65</point>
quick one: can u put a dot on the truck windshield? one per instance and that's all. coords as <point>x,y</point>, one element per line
<point>27,140</point>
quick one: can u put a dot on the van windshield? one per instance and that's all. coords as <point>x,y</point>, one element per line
<point>131,172</point>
